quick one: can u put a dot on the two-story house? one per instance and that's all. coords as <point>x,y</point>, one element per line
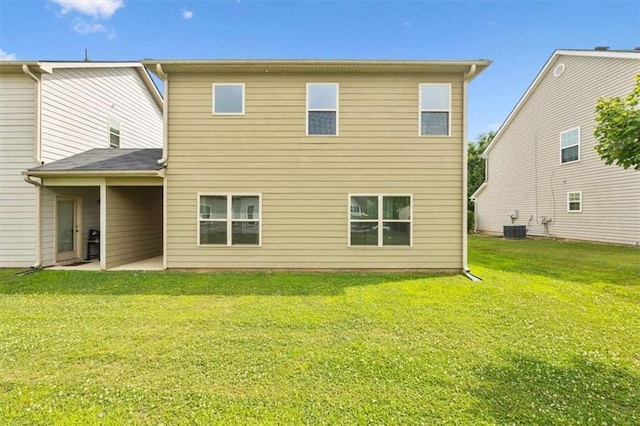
<point>307,164</point>
<point>542,166</point>
<point>50,111</point>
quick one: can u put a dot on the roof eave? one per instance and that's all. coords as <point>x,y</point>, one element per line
<point>537,80</point>
<point>482,187</point>
<point>316,65</point>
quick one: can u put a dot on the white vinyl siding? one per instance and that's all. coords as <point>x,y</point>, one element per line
<point>76,101</point>
<point>228,99</point>
<point>17,152</point>
<point>524,169</point>
<point>570,146</point>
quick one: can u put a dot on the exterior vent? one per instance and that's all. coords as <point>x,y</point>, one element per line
<point>559,70</point>
<point>515,232</point>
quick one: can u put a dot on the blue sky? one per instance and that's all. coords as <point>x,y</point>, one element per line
<point>518,36</point>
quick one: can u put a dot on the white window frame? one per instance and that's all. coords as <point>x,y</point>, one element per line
<point>336,110</point>
<point>420,110</point>
<point>213,99</point>
<point>569,202</point>
<point>578,144</point>
<point>380,219</point>
<point>111,132</point>
<point>229,219</point>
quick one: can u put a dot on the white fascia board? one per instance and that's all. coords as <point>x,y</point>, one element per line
<point>520,103</point>
<point>627,54</point>
<point>50,66</point>
<point>151,86</point>
<point>482,187</point>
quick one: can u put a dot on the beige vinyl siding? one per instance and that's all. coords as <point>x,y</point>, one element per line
<point>524,170</point>
<point>77,103</point>
<point>134,224</point>
<point>17,145</point>
<point>305,180</point>
<point>90,217</point>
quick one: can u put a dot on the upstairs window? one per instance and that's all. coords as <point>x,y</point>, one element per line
<point>229,219</point>
<point>574,202</point>
<point>380,220</point>
<point>322,109</point>
<point>114,133</point>
<point>435,109</point>
<point>228,99</point>
<point>570,146</point>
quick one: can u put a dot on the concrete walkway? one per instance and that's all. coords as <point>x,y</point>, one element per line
<point>151,264</point>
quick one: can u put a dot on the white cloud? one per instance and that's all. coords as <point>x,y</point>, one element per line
<point>83,27</point>
<point>407,24</point>
<point>6,56</point>
<point>95,8</point>
<point>187,14</point>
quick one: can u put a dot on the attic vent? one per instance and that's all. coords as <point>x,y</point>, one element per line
<point>558,70</point>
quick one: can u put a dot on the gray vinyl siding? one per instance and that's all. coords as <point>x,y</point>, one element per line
<point>524,170</point>
<point>134,224</point>
<point>305,180</point>
<point>77,103</point>
<point>90,217</point>
<point>17,153</point>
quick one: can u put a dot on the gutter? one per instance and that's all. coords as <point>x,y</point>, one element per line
<point>37,156</point>
<point>465,249</point>
<point>38,186</point>
<point>94,173</point>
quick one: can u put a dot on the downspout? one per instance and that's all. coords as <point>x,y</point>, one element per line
<point>38,186</point>
<point>165,114</point>
<point>165,157</point>
<point>465,267</point>
<point>38,159</point>
<point>38,135</point>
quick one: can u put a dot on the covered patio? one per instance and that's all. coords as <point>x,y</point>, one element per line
<point>101,209</point>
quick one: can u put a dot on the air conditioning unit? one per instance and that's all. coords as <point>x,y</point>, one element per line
<point>515,232</point>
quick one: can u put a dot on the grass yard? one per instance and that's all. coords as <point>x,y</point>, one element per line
<point>551,336</point>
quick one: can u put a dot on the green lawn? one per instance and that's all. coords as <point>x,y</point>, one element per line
<point>551,336</point>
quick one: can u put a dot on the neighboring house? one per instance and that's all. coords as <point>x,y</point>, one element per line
<point>53,110</point>
<point>542,163</point>
<point>291,165</point>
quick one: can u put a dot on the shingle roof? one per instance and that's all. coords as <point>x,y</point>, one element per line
<point>99,159</point>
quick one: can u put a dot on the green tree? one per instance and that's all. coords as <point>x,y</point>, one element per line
<point>618,129</point>
<point>475,163</point>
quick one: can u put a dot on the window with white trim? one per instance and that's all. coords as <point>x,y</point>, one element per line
<point>380,220</point>
<point>570,146</point>
<point>435,109</point>
<point>228,98</point>
<point>114,133</point>
<point>574,202</point>
<point>322,109</point>
<point>229,219</point>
